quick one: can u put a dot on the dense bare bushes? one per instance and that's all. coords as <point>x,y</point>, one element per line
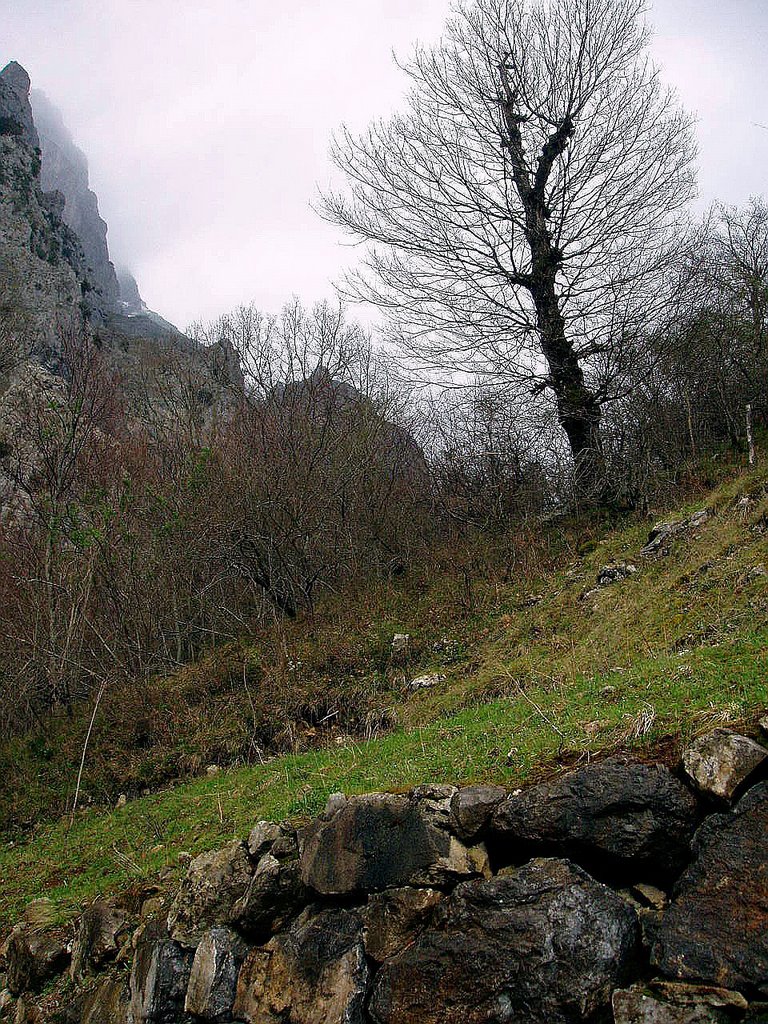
<point>132,542</point>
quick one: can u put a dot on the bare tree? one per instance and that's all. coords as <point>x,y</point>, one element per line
<point>523,213</point>
<point>737,276</point>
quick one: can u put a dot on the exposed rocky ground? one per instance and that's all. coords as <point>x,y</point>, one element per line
<point>59,293</point>
<point>621,891</point>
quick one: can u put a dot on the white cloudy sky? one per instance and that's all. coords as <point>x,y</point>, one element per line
<point>206,122</point>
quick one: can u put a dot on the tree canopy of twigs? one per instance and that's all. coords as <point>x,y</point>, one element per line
<point>522,215</point>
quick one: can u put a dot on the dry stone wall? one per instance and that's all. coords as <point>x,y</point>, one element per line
<point>619,892</point>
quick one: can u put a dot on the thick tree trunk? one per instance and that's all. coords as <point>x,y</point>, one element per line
<point>578,411</point>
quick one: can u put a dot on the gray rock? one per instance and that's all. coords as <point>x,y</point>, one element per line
<point>34,956</point>
<point>109,1002</point>
<point>617,819</point>
<point>681,1004</point>
<point>316,973</point>
<point>545,945</point>
<point>662,533</point>
<point>719,762</point>
<point>274,895</point>
<point>381,841</point>
<point>159,977</point>
<point>102,930</point>
<point>213,979</point>
<point>394,918</point>
<point>65,169</point>
<point>263,834</point>
<point>615,572</point>
<point>716,928</point>
<point>334,803</point>
<point>401,643</point>
<point>426,682</point>
<point>15,109</point>
<point>214,882</point>
<point>472,808</point>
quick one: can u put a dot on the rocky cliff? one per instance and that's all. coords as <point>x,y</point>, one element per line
<point>622,891</point>
<point>60,296</point>
<point>64,169</point>
<point>43,273</point>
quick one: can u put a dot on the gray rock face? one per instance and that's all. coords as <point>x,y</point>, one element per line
<point>719,762</point>
<point>716,928</point>
<point>159,977</point>
<point>381,841</point>
<point>631,820</point>
<point>213,980</point>
<point>545,944</point>
<point>102,931</point>
<point>33,957</point>
<point>109,1002</point>
<point>394,918</point>
<point>213,884</point>
<point>472,808</point>
<point>668,1003</point>
<point>65,169</point>
<point>274,895</point>
<point>262,836</point>
<point>15,111</point>
<point>316,973</point>
<point>131,301</point>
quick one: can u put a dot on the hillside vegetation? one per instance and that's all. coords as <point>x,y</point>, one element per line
<point>540,669</point>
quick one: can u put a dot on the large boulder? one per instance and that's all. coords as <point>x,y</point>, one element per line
<point>316,973</point>
<point>545,944</point>
<point>720,762</point>
<point>34,956</point>
<point>214,882</point>
<point>666,1003</point>
<point>716,928</point>
<point>159,977</point>
<point>213,980</point>
<point>381,841</point>
<point>616,819</point>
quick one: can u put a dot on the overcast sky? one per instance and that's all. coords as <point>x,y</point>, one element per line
<point>206,124</point>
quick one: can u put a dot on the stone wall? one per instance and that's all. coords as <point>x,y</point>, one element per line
<point>621,891</point>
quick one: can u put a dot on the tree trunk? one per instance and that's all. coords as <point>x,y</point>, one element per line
<point>578,411</point>
<point>750,436</point>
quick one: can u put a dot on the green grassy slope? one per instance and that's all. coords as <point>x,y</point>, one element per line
<point>539,676</point>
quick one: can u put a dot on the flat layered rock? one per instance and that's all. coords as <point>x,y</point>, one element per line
<point>545,944</point>
<point>716,928</point>
<point>677,1004</point>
